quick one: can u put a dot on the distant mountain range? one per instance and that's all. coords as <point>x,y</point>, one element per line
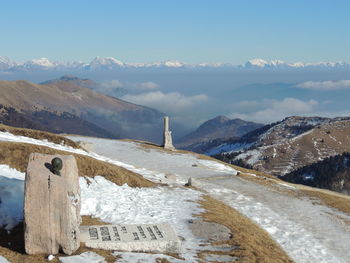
<point>214,131</point>
<point>69,105</point>
<point>110,63</point>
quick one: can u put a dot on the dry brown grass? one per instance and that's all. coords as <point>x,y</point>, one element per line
<point>331,200</point>
<point>12,245</point>
<point>254,244</point>
<point>92,221</point>
<point>16,257</point>
<point>16,155</point>
<point>40,135</point>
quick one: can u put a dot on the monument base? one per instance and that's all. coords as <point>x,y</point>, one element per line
<point>158,238</point>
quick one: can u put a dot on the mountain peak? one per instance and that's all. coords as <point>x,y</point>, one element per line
<point>220,118</point>
<point>218,128</point>
<point>106,61</point>
<point>44,62</point>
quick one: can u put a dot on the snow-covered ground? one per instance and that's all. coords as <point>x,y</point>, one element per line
<point>11,197</point>
<point>115,204</point>
<point>306,231</point>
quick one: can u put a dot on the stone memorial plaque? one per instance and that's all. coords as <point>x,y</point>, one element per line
<point>140,237</point>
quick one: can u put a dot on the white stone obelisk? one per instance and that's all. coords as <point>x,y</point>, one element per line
<point>167,139</point>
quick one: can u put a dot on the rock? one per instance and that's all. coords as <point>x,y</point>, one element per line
<point>157,238</point>
<point>51,206</point>
<point>210,231</point>
<point>171,177</point>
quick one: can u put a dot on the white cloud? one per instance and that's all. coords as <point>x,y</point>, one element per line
<point>172,102</point>
<point>132,86</point>
<point>146,85</point>
<point>274,110</point>
<point>325,85</point>
<point>112,84</point>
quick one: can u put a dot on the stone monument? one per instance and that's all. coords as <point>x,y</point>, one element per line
<point>167,139</point>
<point>157,238</point>
<point>51,205</point>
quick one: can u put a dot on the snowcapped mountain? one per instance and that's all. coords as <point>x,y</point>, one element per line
<point>279,64</point>
<point>6,63</point>
<point>107,63</point>
<point>37,64</point>
<point>111,63</point>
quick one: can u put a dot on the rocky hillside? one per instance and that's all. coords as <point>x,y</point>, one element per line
<point>73,96</point>
<point>215,131</point>
<point>283,147</point>
<point>331,173</point>
<point>51,121</point>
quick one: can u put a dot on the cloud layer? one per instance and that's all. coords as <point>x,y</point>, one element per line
<point>325,85</point>
<point>267,110</point>
<point>172,102</point>
<point>131,86</point>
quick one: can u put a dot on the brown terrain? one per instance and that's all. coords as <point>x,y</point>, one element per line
<point>292,144</point>
<point>70,96</point>
<point>213,131</point>
<point>317,144</point>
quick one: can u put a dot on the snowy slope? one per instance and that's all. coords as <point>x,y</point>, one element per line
<point>119,205</point>
<point>315,234</point>
<point>307,236</point>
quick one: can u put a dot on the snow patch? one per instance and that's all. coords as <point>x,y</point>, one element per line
<point>228,148</point>
<point>127,257</point>
<point>219,167</point>
<point>3,260</point>
<point>253,156</point>
<point>11,197</point>
<point>86,257</point>
<point>287,185</point>
<point>127,205</point>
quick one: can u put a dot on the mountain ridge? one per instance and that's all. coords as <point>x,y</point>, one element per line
<point>286,146</point>
<point>216,129</point>
<point>111,63</point>
<point>72,95</point>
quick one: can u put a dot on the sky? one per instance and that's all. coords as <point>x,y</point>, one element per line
<point>191,31</point>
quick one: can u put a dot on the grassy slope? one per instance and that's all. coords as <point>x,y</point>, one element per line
<point>40,135</point>
<point>16,155</point>
<point>254,244</point>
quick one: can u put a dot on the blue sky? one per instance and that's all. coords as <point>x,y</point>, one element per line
<point>192,31</point>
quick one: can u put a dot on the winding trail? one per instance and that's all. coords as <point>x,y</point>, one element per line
<point>307,231</point>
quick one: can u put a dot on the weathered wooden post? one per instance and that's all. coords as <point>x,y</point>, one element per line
<point>167,138</point>
<point>51,204</point>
